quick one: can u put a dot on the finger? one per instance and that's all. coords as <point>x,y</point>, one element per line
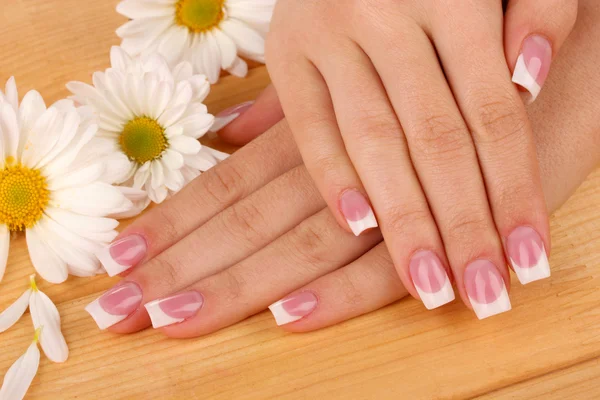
<point>534,31</point>
<point>365,285</point>
<point>309,110</point>
<point>313,249</point>
<point>503,137</point>
<point>243,173</point>
<point>444,157</point>
<point>231,236</point>
<point>377,146</point>
<point>252,118</point>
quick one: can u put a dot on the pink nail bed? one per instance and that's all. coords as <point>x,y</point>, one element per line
<point>174,309</point>
<point>527,255</point>
<point>123,254</point>
<point>357,211</point>
<point>430,279</point>
<point>294,307</point>
<point>486,289</point>
<point>533,65</point>
<point>116,304</point>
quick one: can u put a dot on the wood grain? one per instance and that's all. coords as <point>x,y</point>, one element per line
<point>547,347</point>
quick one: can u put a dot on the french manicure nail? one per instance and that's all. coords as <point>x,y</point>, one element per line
<point>123,254</point>
<point>116,304</point>
<point>294,307</point>
<point>430,279</point>
<point>229,115</point>
<point>533,65</point>
<point>527,255</point>
<point>486,289</point>
<point>357,211</point>
<point>174,309</point>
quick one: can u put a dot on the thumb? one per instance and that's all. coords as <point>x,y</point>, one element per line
<point>251,119</point>
<point>534,31</point>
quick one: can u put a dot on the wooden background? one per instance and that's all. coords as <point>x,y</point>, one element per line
<point>547,347</point>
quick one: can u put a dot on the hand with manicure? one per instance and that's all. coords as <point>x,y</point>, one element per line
<point>407,119</point>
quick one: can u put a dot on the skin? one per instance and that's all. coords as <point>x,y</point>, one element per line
<point>405,101</point>
<point>255,228</point>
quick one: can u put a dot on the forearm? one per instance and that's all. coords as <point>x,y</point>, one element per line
<point>565,116</point>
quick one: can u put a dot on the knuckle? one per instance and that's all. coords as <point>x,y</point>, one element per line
<point>224,184</point>
<point>169,272</point>
<point>439,135</point>
<point>231,286</point>
<point>311,244</point>
<point>352,295</point>
<point>376,126</point>
<point>403,219</point>
<point>500,121</point>
<point>466,226</point>
<point>246,220</point>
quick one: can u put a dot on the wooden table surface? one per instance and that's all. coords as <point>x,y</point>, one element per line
<point>546,347</point>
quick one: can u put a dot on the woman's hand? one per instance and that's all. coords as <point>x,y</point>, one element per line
<point>409,106</point>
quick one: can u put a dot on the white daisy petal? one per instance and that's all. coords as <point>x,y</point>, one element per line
<point>14,312</point>
<point>250,43</point>
<point>12,94</point>
<point>46,262</point>
<point>173,43</point>
<point>239,68</point>
<point>4,247</point>
<point>172,160</point>
<point>20,375</point>
<point>96,199</point>
<point>44,315</point>
<point>158,175</point>
<point>30,110</point>
<point>185,145</point>
<point>227,47</point>
<point>10,130</point>
<point>93,228</point>
<point>81,177</point>
<point>143,9</point>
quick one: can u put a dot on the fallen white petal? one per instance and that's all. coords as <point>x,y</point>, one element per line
<point>45,314</point>
<point>14,312</point>
<point>20,375</point>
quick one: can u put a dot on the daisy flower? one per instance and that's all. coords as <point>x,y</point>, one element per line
<point>210,34</point>
<point>151,117</point>
<point>53,186</point>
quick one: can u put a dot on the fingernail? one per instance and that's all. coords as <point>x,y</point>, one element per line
<point>357,211</point>
<point>431,280</point>
<point>229,115</point>
<point>533,65</point>
<point>527,255</point>
<point>115,305</point>
<point>294,307</point>
<point>486,289</point>
<point>123,254</point>
<point>174,309</point>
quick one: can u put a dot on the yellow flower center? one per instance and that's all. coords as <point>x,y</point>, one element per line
<point>199,15</point>
<point>143,140</point>
<point>24,195</point>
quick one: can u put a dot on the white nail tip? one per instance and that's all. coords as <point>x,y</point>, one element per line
<point>158,317</point>
<point>222,122</point>
<point>368,222</point>
<point>535,273</point>
<point>500,305</point>
<point>103,319</point>
<point>434,300</point>
<point>522,77</point>
<point>112,267</point>
<point>282,317</point>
